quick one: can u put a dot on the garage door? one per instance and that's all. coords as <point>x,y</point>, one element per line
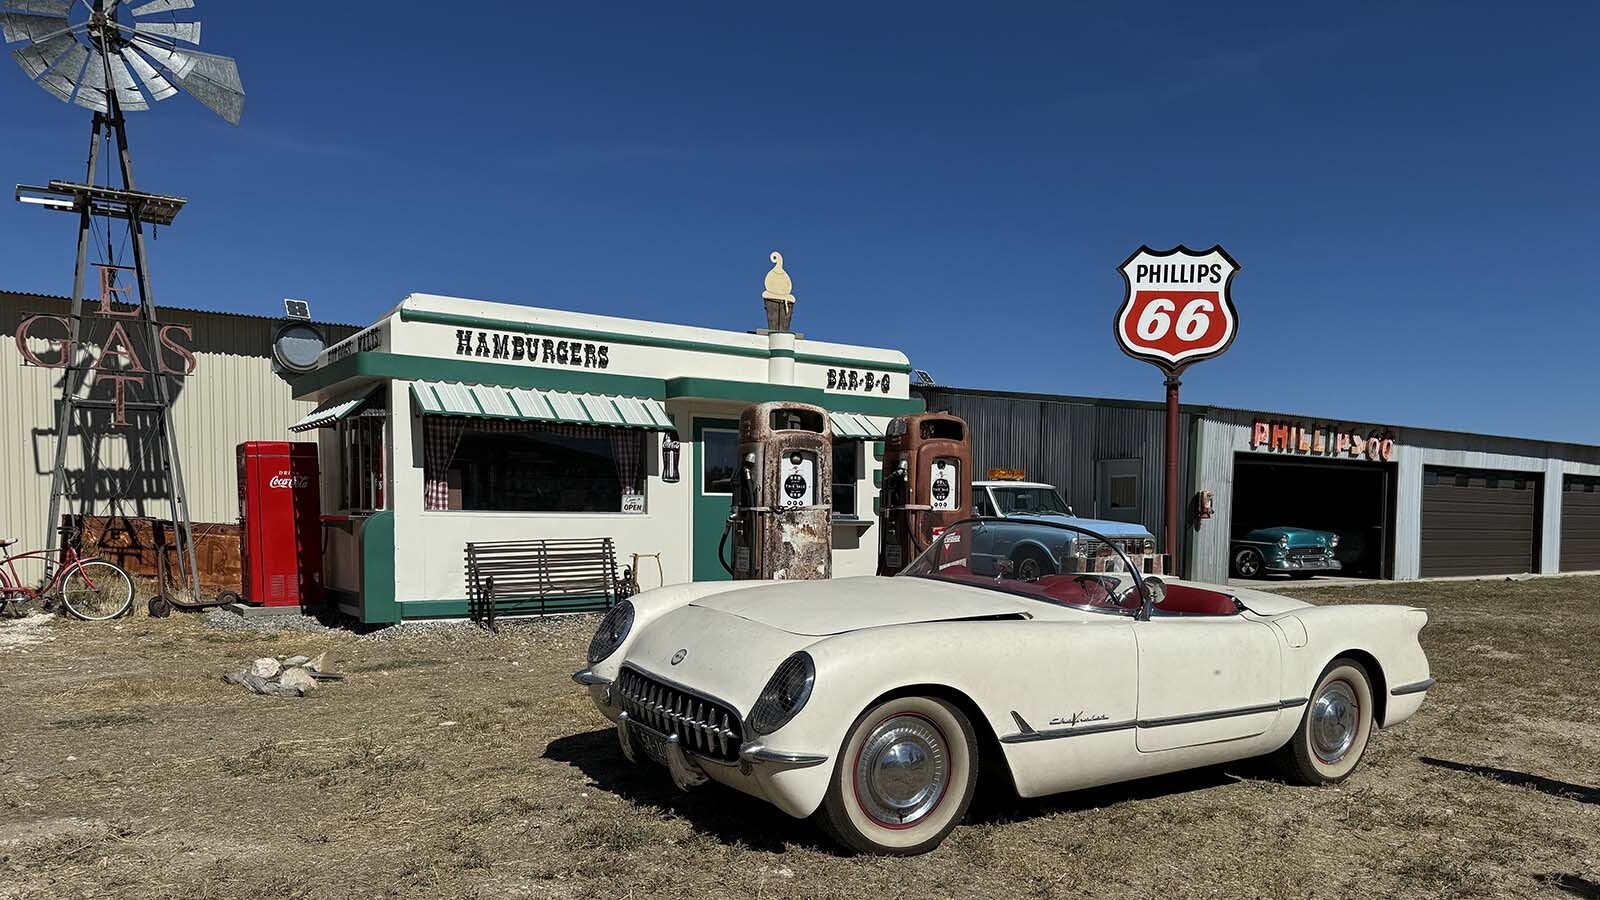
<point>1580,524</point>
<point>1479,523</point>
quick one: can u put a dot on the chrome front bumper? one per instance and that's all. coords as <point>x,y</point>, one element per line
<point>684,764</point>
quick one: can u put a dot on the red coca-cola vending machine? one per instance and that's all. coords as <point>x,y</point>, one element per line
<point>280,534</point>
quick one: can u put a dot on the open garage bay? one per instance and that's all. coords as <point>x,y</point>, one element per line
<point>455,763</point>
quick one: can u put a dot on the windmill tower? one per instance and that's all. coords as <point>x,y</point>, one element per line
<point>114,59</point>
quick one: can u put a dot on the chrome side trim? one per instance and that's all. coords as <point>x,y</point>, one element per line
<point>1103,727</point>
<point>588,678</point>
<point>1050,734</point>
<point>1191,718</point>
<point>1415,687</point>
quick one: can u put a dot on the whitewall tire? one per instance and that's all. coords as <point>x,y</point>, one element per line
<point>904,778</point>
<point>1334,727</point>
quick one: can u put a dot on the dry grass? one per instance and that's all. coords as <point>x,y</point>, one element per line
<point>127,769</point>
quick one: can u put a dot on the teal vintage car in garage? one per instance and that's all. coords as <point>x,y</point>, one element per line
<point>1297,552</point>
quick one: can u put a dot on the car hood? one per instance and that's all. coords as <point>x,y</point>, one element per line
<point>1298,537</point>
<point>849,604</point>
<point>1104,526</point>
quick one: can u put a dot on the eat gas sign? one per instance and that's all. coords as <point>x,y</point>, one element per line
<point>1176,309</point>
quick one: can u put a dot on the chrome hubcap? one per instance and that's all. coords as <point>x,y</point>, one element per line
<point>1335,716</point>
<point>1246,563</point>
<point>902,771</point>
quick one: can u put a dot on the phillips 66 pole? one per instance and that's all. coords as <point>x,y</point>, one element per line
<point>1176,311</point>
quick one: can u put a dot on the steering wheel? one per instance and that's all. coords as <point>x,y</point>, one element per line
<point>1106,596</point>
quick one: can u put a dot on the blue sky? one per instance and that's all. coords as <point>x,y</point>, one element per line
<point>1411,189</point>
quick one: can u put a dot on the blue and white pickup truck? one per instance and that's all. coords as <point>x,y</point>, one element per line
<point>1036,501</point>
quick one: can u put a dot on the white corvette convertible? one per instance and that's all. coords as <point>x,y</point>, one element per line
<point>870,703</point>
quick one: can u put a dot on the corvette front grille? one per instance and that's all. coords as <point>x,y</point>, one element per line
<point>703,725</point>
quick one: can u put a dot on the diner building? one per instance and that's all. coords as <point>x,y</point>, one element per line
<point>451,421</point>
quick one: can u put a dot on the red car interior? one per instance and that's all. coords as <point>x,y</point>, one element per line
<point>1085,590</point>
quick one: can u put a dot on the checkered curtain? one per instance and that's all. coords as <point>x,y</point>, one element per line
<point>442,436</point>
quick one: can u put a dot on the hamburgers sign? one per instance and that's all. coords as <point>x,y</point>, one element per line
<point>1176,309</point>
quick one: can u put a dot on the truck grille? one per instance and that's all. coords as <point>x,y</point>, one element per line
<point>703,725</point>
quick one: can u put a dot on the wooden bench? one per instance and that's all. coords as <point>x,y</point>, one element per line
<point>541,577</point>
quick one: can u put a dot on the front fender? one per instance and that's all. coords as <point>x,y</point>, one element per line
<point>1038,669</point>
<point>651,605</point>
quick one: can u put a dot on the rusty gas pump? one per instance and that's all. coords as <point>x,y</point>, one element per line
<point>927,484</point>
<point>780,520</point>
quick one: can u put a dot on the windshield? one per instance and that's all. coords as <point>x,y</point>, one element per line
<point>1032,559</point>
<point>1022,501</point>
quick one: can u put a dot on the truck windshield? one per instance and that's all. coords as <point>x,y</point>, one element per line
<point>1022,501</point>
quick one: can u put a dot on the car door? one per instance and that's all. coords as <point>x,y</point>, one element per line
<point>1205,679</point>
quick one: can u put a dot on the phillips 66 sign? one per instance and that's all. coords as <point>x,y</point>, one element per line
<point>1176,309</point>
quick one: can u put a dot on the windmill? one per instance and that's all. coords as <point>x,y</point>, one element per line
<point>113,58</point>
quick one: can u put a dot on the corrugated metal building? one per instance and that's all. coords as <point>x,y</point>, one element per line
<point>1406,502</point>
<point>232,397</point>
<point>1077,444</point>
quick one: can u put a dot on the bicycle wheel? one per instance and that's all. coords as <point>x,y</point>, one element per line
<point>97,590</point>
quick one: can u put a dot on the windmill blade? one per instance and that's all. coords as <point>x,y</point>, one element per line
<point>62,77</point>
<point>214,81</point>
<point>159,87</point>
<point>211,79</point>
<point>28,27</point>
<point>35,59</point>
<point>167,56</point>
<point>188,32</point>
<point>128,96</point>
<point>57,8</point>
<point>159,6</point>
<point>91,92</point>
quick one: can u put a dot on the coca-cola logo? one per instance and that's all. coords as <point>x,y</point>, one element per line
<point>292,482</point>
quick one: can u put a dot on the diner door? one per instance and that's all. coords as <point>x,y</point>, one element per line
<point>716,459</point>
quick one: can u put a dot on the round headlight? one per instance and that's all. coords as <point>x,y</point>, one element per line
<point>612,632</point>
<point>1333,541</point>
<point>1284,542</point>
<point>785,695</point>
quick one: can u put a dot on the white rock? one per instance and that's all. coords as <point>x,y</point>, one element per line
<point>298,680</point>
<point>293,661</point>
<point>265,667</point>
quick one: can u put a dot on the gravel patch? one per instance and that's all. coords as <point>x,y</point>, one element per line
<point>564,625</point>
<point>221,618</point>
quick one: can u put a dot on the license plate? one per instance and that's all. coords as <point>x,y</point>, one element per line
<point>653,745</point>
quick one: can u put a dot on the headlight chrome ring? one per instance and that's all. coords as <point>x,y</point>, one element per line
<point>612,632</point>
<point>785,695</point>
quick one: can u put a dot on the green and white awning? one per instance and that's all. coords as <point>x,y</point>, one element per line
<point>447,398</point>
<point>327,414</point>
<point>854,426</point>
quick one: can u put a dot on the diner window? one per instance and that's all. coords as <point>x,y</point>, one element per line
<point>846,469</point>
<point>361,463</point>
<point>495,466</point>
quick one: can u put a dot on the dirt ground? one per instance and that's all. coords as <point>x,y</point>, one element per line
<point>461,764</point>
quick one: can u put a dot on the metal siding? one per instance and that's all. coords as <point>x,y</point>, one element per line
<point>1060,442</point>
<point>1226,432</point>
<point>232,397</point>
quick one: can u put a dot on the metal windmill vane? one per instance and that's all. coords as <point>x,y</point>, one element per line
<point>79,51</point>
<point>114,58</point>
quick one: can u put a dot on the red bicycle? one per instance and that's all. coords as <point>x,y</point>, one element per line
<point>90,588</point>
